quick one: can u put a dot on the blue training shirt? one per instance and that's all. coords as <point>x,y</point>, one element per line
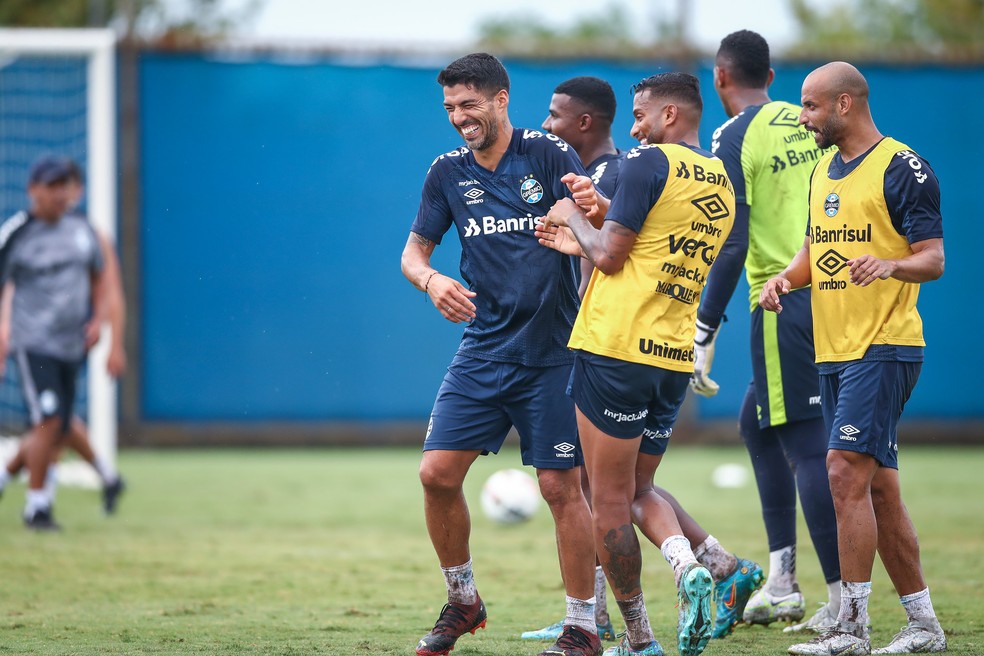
<point>526,293</point>
<point>603,172</point>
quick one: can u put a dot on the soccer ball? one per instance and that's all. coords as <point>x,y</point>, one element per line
<point>510,496</point>
<point>729,475</point>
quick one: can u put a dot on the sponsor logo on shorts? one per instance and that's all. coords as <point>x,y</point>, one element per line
<point>848,433</point>
<point>621,416</point>
<point>814,400</point>
<point>564,450</point>
<point>660,434</point>
<point>48,400</point>
<point>430,427</point>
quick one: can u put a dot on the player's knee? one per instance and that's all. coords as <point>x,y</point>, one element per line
<point>847,482</point>
<point>438,478</point>
<point>560,486</point>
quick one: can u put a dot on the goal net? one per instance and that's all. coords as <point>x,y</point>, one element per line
<point>57,96</point>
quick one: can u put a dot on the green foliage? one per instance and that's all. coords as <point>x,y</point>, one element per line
<point>609,33</point>
<point>149,20</point>
<point>324,552</point>
<point>891,29</point>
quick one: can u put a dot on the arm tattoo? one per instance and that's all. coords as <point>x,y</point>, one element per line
<point>420,240</point>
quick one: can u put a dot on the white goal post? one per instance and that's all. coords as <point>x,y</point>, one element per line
<point>97,49</point>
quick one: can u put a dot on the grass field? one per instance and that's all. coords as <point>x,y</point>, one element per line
<point>324,552</point>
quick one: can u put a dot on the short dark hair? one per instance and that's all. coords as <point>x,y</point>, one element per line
<point>747,57</point>
<point>480,70</point>
<point>681,87</point>
<point>592,92</point>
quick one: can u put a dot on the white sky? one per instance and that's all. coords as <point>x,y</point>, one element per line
<point>444,23</point>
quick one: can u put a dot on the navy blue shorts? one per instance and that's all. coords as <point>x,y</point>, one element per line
<point>787,385</point>
<point>862,405</point>
<point>479,401</point>
<point>48,385</point>
<point>627,399</point>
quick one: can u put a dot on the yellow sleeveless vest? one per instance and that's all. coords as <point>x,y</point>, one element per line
<point>849,218</point>
<point>646,313</point>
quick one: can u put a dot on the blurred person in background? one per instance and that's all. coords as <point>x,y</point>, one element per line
<point>76,437</point>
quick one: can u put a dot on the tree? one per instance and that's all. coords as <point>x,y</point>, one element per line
<point>609,33</point>
<point>156,21</point>
<point>891,29</point>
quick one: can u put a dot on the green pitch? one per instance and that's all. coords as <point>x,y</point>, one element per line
<point>324,552</point>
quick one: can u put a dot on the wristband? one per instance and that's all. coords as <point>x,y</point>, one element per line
<point>427,284</point>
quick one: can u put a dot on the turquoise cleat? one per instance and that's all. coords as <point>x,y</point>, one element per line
<point>732,593</point>
<point>694,628</point>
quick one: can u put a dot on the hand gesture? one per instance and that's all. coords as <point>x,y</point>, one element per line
<point>773,289</point>
<point>868,268</point>
<point>558,238</point>
<point>451,298</point>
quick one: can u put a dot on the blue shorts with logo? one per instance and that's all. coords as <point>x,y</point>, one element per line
<point>479,401</point>
<point>787,384</point>
<point>862,404</point>
<point>48,385</point>
<point>628,399</point>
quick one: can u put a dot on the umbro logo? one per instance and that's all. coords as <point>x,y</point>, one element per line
<point>848,433</point>
<point>786,118</point>
<point>474,196</point>
<point>831,262</point>
<point>713,207</point>
<point>564,450</point>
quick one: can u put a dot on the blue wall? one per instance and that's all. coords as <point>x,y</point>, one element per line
<point>277,196</point>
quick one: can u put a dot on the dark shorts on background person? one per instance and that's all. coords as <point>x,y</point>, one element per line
<point>787,385</point>
<point>479,401</point>
<point>862,404</point>
<point>48,385</point>
<point>627,399</point>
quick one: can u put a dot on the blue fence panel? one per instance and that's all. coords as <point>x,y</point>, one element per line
<point>277,196</point>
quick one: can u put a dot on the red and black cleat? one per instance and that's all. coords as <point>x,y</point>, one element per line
<point>575,641</point>
<point>455,621</point>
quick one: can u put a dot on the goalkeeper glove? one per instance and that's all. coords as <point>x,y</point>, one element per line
<point>700,381</point>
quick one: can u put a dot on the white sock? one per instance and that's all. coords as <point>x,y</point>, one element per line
<point>637,628</point>
<point>581,613</point>
<point>919,607</point>
<point>853,615</point>
<point>51,482</point>
<point>719,561</point>
<point>601,597</point>
<point>36,500</point>
<point>834,597</point>
<point>460,581</point>
<point>4,478</point>
<point>106,471</point>
<point>676,551</point>
<point>782,571</point>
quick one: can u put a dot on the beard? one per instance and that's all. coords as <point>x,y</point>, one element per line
<point>490,134</point>
<point>828,134</point>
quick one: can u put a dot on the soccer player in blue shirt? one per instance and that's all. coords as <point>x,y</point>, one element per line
<point>518,302</point>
